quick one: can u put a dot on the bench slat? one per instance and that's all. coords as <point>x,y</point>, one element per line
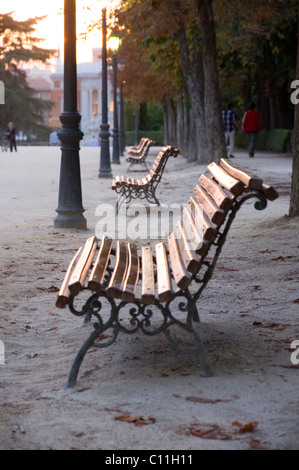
<point>270,192</point>
<point>119,273</point>
<point>214,190</point>
<point>233,185</point>
<point>97,275</point>
<point>132,277</point>
<point>148,277</point>
<point>202,222</point>
<point>189,257</point>
<point>214,213</point>
<point>195,238</point>
<point>82,267</point>
<point>179,272</point>
<point>163,275</point>
<point>249,180</point>
<point>64,293</point>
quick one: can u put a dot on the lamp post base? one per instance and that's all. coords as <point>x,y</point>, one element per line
<point>115,153</point>
<point>70,220</point>
<point>105,174</point>
<point>70,207</point>
<point>105,166</point>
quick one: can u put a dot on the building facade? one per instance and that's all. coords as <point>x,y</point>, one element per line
<point>50,86</point>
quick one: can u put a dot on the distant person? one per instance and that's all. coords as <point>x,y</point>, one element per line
<point>230,124</point>
<point>54,138</point>
<point>11,136</point>
<point>94,142</point>
<point>251,126</point>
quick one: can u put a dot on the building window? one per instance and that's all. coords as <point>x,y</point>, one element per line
<point>95,102</point>
<point>57,84</point>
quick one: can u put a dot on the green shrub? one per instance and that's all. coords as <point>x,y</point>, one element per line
<point>156,136</point>
<point>275,140</point>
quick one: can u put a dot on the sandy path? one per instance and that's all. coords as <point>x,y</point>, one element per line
<point>249,316</point>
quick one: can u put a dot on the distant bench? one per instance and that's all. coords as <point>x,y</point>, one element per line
<point>137,155</point>
<point>153,289</point>
<point>145,188</point>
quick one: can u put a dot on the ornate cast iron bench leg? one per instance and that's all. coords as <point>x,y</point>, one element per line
<point>72,379</point>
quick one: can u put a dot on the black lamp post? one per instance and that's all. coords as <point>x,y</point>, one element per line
<point>122,137</point>
<point>105,167</point>
<point>115,131</point>
<point>70,209</point>
<point>114,43</point>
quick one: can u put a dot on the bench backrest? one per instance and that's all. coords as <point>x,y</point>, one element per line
<point>202,218</point>
<point>160,162</point>
<point>139,147</point>
<point>141,153</point>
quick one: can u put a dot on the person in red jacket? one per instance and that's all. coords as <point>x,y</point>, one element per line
<point>251,125</point>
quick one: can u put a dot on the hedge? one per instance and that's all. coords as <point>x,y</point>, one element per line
<point>275,140</point>
<point>156,136</point>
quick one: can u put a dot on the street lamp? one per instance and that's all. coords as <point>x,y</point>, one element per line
<point>70,209</point>
<point>114,43</point>
<point>122,137</point>
<point>105,167</point>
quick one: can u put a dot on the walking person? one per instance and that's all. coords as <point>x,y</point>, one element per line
<point>11,135</point>
<point>230,124</point>
<point>251,126</point>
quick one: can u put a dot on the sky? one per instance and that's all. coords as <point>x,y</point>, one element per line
<point>51,29</point>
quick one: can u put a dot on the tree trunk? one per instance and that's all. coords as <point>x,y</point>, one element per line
<point>192,141</point>
<point>212,104</point>
<point>182,123</point>
<point>193,74</point>
<point>294,202</point>
<point>169,124</point>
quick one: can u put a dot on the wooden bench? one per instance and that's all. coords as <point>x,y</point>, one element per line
<point>137,155</point>
<point>145,188</point>
<point>156,288</point>
<point>137,149</point>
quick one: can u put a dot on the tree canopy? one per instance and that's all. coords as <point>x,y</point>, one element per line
<point>18,45</point>
<point>164,56</point>
<point>175,51</point>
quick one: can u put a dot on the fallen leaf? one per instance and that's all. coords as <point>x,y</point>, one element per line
<point>206,400</point>
<point>248,427</point>
<point>296,301</point>
<point>293,366</point>
<point>271,326</point>
<point>255,444</point>
<point>137,420</point>
<point>48,289</point>
<point>214,432</point>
